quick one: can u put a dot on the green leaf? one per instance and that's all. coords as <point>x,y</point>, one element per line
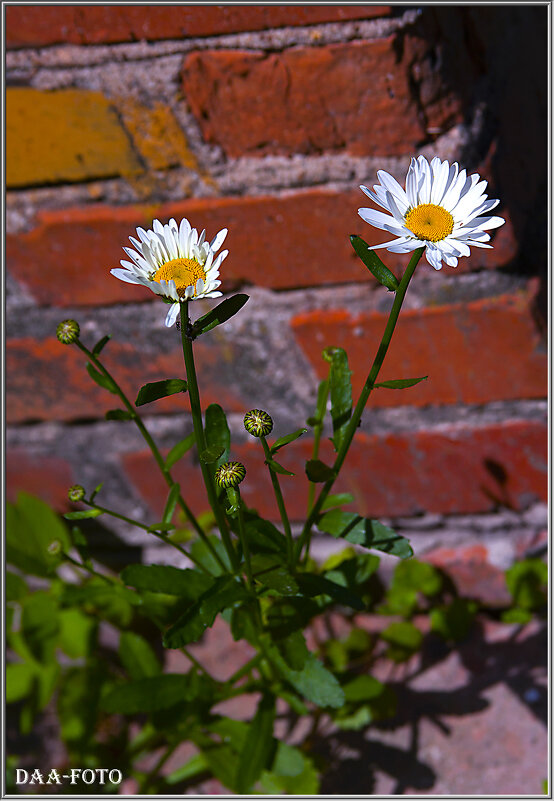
<point>160,389</point>
<point>161,527</point>
<point>210,455</point>
<point>31,529</point>
<point>218,435</point>
<point>137,656</point>
<point>100,344</point>
<point>278,468</point>
<point>83,514</point>
<point>318,472</point>
<point>16,587</point>
<point>77,633</point>
<point>279,782</point>
<point>374,263</point>
<point>516,615</point>
<point>202,554</point>
<point>419,576</point>
<point>526,582</point>
<point>321,405</point>
<point>149,694</point>
<point>401,383</point>
<point>404,640</point>
<point>102,380</point>
<point>293,649</point>
<point>340,499</point>
<point>367,700</point>
<point>171,503</point>
<point>263,536</point>
<point>279,443</point>
<point>363,531</point>
<point>269,571</point>
<point>20,679</point>
<point>259,747</point>
<point>340,389</point>
<point>185,582</point>
<point>222,312</point>
<point>77,707</point>
<point>119,414</point>
<point>362,688</point>
<point>179,450</point>
<point>95,491</point>
<point>453,621</point>
<point>313,585</point>
<point>194,767</point>
<point>242,624</point>
<point>40,625</point>
<point>314,682</point>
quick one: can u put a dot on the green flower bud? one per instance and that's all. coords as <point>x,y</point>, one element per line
<point>230,474</point>
<point>76,493</point>
<point>54,548</point>
<point>68,332</point>
<point>258,423</point>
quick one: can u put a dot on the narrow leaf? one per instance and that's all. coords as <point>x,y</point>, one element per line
<point>119,414</point>
<point>101,379</point>
<point>401,383</point>
<point>161,527</point>
<point>100,344</point>
<point>278,468</point>
<point>318,472</point>
<point>259,747</point>
<point>217,433</point>
<point>364,531</point>
<point>340,499</point>
<point>137,656</point>
<point>171,503</point>
<point>149,694</point>
<point>313,585</point>
<point>288,438</point>
<point>212,454</point>
<point>186,582</point>
<point>222,312</point>
<point>160,389</point>
<point>179,450</point>
<point>95,491</point>
<point>374,263</point>
<point>340,389</point>
<point>84,514</point>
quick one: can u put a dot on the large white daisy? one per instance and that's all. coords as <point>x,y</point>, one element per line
<point>174,262</point>
<point>439,210</point>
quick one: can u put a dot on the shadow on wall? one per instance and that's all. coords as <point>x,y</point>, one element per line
<point>494,59</point>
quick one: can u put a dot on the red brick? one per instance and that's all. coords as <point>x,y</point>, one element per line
<point>30,26</point>
<point>454,470</point>
<point>48,381</point>
<point>353,97</point>
<point>47,477</point>
<point>473,353</point>
<point>472,573</point>
<point>296,239</point>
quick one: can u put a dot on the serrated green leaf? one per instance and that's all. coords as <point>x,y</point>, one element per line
<point>160,389</point>
<point>102,380</point>
<point>204,556</point>
<point>279,443</point>
<point>243,626</point>
<point>278,468</point>
<point>184,582</point>
<point>222,312</point>
<point>119,414</point>
<point>171,503</point>
<point>401,383</point>
<point>293,649</point>
<point>137,656</point>
<point>313,585</point>
<point>100,344</point>
<point>179,450</point>
<point>259,747</point>
<point>374,263</point>
<point>318,472</point>
<point>269,571</point>
<point>340,390</point>
<point>340,499</point>
<point>83,514</point>
<point>366,532</point>
<point>149,694</point>
<point>314,682</point>
<point>218,435</point>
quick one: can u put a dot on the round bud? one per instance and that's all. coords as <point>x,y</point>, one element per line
<point>68,332</point>
<point>258,423</point>
<point>76,493</point>
<point>54,548</point>
<point>230,474</point>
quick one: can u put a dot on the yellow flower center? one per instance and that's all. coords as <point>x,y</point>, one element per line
<point>429,222</point>
<point>185,273</point>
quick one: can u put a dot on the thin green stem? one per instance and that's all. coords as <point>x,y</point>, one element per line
<point>280,501</point>
<point>196,411</point>
<point>135,416</point>
<point>364,395</point>
<point>195,661</point>
<point>245,669</point>
<point>244,544</point>
<point>89,569</point>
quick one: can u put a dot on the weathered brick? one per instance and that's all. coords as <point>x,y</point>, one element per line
<point>66,135</point>
<point>295,240</point>
<point>31,26</point>
<point>354,97</point>
<point>454,470</point>
<point>47,477</point>
<point>473,353</point>
<point>472,572</point>
<point>48,380</point>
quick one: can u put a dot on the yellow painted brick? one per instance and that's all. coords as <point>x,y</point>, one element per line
<point>64,135</point>
<point>156,134</point>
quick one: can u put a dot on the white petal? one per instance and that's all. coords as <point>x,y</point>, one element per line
<point>376,218</point>
<point>392,186</point>
<point>433,256</point>
<point>125,275</point>
<point>172,314</point>
<point>218,240</point>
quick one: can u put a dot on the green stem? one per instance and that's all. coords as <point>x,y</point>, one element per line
<point>280,501</point>
<point>151,444</point>
<point>245,669</point>
<point>244,543</point>
<point>196,411</point>
<point>89,569</point>
<point>364,395</point>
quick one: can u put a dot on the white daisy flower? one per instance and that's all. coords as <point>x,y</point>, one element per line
<point>174,262</point>
<point>439,210</point>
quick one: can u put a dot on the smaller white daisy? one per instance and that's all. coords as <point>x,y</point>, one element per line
<point>174,262</point>
<point>439,210</point>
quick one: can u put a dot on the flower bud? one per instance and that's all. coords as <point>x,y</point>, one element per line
<point>230,474</point>
<point>68,332</point>
<point>76,493</point>
<point>258,423</point>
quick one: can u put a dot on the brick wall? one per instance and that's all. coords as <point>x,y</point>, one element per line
<point>265,119</point>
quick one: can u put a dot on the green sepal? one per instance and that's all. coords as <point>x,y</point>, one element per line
<point>102,380</point>
<point>400,383</point>
<point>279,443</point>
<point>374,263</point>
<point>318,472</point>
<point>160,389</point>
<point>222,312</point>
